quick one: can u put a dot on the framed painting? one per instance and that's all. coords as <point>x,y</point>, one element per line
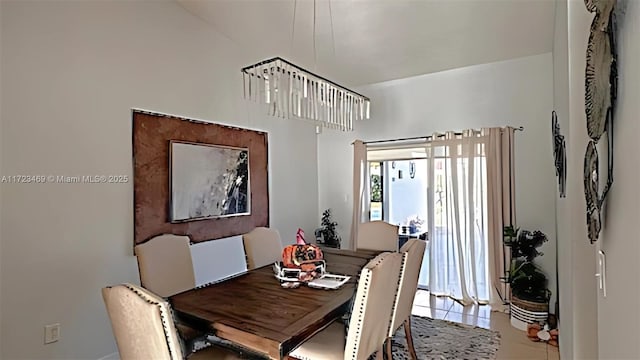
<point>208,181</point>
<point>179,183</point>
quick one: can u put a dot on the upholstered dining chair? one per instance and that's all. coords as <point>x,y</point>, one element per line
<point>369,323</point>
<point>144,329</point>
<point>166,268</point>
<point>409,273</point>
<point>165,264</point>
<point>262,246</point>
<point>377,235</point>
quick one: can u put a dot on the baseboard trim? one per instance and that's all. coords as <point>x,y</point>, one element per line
<point>112,356</point>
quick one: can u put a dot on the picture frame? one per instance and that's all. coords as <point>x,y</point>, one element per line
<point>208,181</point>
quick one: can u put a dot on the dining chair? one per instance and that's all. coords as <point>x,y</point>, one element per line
<point>409,273</point>
<point>143,326</point>
<point>165,264</point>
<point>166,268</point>
<point>369,323</point>
<point>377,235</point>
<point>262,246</point>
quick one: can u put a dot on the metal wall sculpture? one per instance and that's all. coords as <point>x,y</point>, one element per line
<point>559,155</point>
<point>600,97</point>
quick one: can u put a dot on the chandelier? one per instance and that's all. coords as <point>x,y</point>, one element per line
<point>293,92</point>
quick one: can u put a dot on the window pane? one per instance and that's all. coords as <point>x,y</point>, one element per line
<point>376,186</point>
<point>407,196</point>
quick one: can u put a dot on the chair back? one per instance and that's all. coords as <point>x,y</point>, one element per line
<point>165,265</point>
<point>142,323</point>
<point>262,246</point>
<point>413,251</point>
<point>377,235</point>
<point>369,323</point>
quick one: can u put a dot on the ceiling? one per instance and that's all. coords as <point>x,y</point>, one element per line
<point>379,40</point>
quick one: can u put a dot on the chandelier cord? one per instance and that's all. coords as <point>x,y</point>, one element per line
<point>333,39</point>
<point>293,27</point>
<point>289,90</point>
<point>315,56</point>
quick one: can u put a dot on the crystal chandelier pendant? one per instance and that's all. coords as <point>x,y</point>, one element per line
<point>290,91</point>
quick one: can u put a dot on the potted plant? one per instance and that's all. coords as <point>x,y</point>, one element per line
<point>529,293</point>
<point>328,230</point>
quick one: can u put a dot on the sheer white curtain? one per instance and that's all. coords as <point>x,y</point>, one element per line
<point>471,197</point>
<point>458,224</point>
<point>360,189</point>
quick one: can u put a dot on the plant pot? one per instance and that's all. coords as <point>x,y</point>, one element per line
<point>524,312</point>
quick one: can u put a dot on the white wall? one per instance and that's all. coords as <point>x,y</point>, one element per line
<point>515,92</point>
<point>592,325</point>
<point>579,310</point>
<point>584,306</point>
<point>71,72</point>
<point>563,223</point>
<point>1,185</point>
<point>618,313</point>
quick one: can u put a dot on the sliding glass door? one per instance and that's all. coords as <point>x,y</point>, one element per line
<point>376,179</point>
<point>399,196</point>
<point>441,199</point>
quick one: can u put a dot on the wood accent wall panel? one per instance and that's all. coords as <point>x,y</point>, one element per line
<point>152,193</point>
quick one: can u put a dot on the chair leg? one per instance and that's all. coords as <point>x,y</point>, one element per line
<point>407,331</point>
<point>387,347</point>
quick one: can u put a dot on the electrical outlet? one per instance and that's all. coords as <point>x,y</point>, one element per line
<point>51,333</point>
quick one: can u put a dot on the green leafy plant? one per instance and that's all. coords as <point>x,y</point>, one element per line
<point>376,188</point>
<point>328,230</point>
<point>526,280</point>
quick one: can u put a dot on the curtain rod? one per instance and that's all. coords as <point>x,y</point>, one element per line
<point>521,128</point>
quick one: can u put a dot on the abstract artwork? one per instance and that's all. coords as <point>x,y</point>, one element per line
<point>600,97</point>
<point>208,181</point>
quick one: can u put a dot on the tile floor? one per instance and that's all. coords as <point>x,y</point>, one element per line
<point>514,343</point>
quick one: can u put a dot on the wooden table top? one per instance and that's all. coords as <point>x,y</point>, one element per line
<point>254,311</point>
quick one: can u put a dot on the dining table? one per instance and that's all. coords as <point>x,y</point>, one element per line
<point>252,311</point>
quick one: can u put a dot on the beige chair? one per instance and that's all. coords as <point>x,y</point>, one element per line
<point>262,246</point>
<point>409,273</point>
<point>166,269</point>
<point>165,265</point>
<point>369,324</point>
<point>377,235</point>
<point>144,329</point>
